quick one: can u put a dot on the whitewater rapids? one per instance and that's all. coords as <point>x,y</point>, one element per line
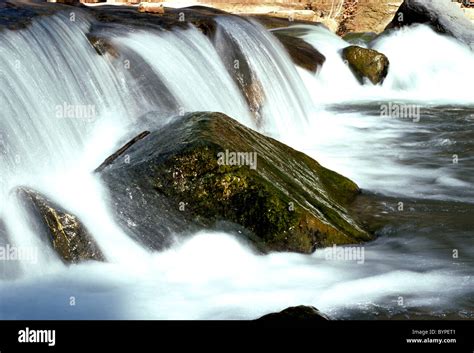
<point>213,275</point>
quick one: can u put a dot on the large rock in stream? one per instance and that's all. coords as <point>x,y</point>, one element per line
<point>442,15</point>
<point>366,63</point>
<point>61,229</point>
<point>206,170</point>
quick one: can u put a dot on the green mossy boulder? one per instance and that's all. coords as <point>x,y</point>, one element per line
<point>182,177</point>
<point>367,63</point>
<point>66,234</point>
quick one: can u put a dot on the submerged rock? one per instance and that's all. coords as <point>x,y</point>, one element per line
<point>442,15</point>
<point>302,53</point>
<point>367,63</point>
<point>295,313</point>
<point>66,234</point>
<point>241,74</point>
<point>362,38</point>
<point>101,45</point>
<point>203,18</point>
<point>206,168</point>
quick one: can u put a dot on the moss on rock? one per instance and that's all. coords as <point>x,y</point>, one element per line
<point>66,234</point>
<point>286,200</point>
<point>366,63</point>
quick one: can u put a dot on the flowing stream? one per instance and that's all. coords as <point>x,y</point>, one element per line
<point>423,162</point>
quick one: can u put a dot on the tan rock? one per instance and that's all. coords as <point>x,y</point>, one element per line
<point>151,8</point>
<point>366,15</point>
<point>341,16</point>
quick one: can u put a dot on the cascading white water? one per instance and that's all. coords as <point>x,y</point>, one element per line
<point>43,68</point>
<point>424,66</point>
<point>431,66</point>
<point>210,275</point>
<point>190,68</point>
<point>213,276</point>
<point>286,100</point>
<point>50,70</point>
<point>59,99</point>
<point>193,72</point>
<point>426,69</point>
<point>334,81</point>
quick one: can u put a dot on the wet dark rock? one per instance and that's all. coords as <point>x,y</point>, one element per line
<point>302,53</point>
<point>295,313</point>
<point>443,17</point>
<point>62,230</point>
<point>16,14</point>
<point>177,179</point>
<point>367,63</point>
<point>242,74</point>
<point>69,2</point>
<point>199,16</point>
<point>129,17</point>
<point>101,45</point>
<point>121,151</point>
<point>273,22</point>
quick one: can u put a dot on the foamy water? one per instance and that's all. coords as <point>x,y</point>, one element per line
<point>214,275</point>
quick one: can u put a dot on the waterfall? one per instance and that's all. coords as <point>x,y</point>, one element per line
<point>193,71</point>
<point>59,99</point>
<point>287,103</point>
<point>424,66</point>
<point>334,81</point>
<point>189,68</point>
<point>64,109</point>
